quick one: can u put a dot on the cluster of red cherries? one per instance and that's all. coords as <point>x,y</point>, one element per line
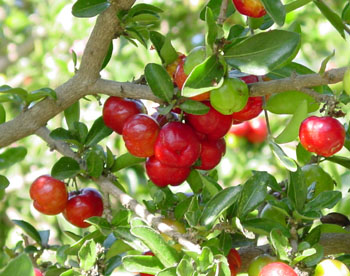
<point>51,197</point>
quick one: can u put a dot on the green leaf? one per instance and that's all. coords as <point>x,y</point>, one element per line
<point>204,77</point>
<point>193,212</point>
<point>11,156</point>
<point>215,6</point>
<point>124,233</point>
<point>345,162</point>
<point>22,93</point>
<point>159,81</point>
<point>97,132</point>
<point>167,52</point>
<point>170,271</point>
<point>206,259</point>
<point>154,241</point>
<point>276,10</point>
<point>109,158</point>
<point>143,8</point>
<point>303,156</point>
<point>117,248</point>
<point>212,31</point>
<point>28,229</point>
<point>253,193</point>
<point>64,168</point>
<point>297,189</point>
<point>94,164</point>
<point>326,199</point>
<point>264,226</point>
<point>44,237</point>
<point>136,33</point>
<point>345,15</point>
<point>287,162</point>
<point>89,8</point>
<point>87,255</point>
<point>331,16</point>
<point>2,114</point>
<point>280,244</point>
<point>314,236</point>
<point>72,115</point>
<point>315,258</point>
<point>325,62</point>
<point>194,107</point>
<point>101,224</point>
<point>195,181</point>
<point>75,247</point>
<point>108,56</point>
<point>157,40</point>
<point>291,131</point>
<point>126,160</point>
<point>263,52</point>
<point>182,207</point>
<point>142,264</point>
<point>184,268</point>
<point>81,131</point>
<point>20,266</point>
<point>70,272</point>
<point>40,94</point>
<point>61,134</point>
<point>4,183</point>
<point>218,204</point>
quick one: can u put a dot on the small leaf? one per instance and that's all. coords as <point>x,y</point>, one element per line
<point>97,132</point>
<point>2,114</point>
<point>126,160</point>
<point>167,52</point>
<point>40,94</point>
<point>87,255</point>
<point>264,226</point>
<point>276,10</point>
<point>108,56</point>
<point>212,31</point>
<point>44,237</point>
<point>72,115</point>
<point>157,40</point>
<point>117,248</point>
<point>143,8</point>
<point>94,164</point>
<point>28,229</point>
<point>64,168</point>
<point>326,199</point>
<point>142,264</point>
<point>4,182</point>
<point>20,266</point>
<point>325,62</point>
<point>101,224</point>
<point>89,8</point>
<point>346,83</point>
<point>70,272</point>
<point>345,162</point>
<point>193,212</point>
<point>215,6</point>
<point>74,248</point>
<point>288,162</point>
<point>123,232</point>
<point>195,181</point>
<point>74,58</point>
<point>280,244</point>
<point>11,156</point>
<point>315,258</point>
<point>194,107</point>
<point>297,189</point>
<point>159,81</point>
<point>184,268</point>
<point>303,156</point>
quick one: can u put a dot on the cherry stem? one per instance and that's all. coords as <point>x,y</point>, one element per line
<point>223,9</point>
<point>76,186</point>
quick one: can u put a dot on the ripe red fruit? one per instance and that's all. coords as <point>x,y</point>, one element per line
<point>139,134</point>
<point>82,205</point>
<point>163,175</point>
<point>234,261</point>
<point>211,153</point>
<point>257,131</point>
<point>241,129</point>
<point>322,135</point>
<point>213,123</point>
<point>49,194</point>
<point>117,110</point>
<point>252,8</point>
<point>180,76</point>
<point>277,269</point>
<point>37,272</point>
<point>251,110</point>
<point>177,145</point>
<point>151,254</point>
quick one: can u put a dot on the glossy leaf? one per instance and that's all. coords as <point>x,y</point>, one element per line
<point>264,226</point>
<point>184,268</point>
<point>263,52</point>
<point>101,224</point>
<point>28,229</point>
<point>94,164</point>
<point>40,94</point>
<point>182,207</point>
<point>170,271</point>
<point>325,62</point>
<point>2,114</point>
<point>44,237</point>
<point>326,199</point>
<point>215,6</point>
<point>108,56</point>
<point>145,264</point>
<point>345,162</point>
<point>71,272</point>
<point>287,162</point>
<point>276,10</point>
<point>157,40</point>
<point>143,8</point>
<point>159,81</point>
<point>280,244</point>
<point>117,248</point>
<point>126,160</point>
<point>75,247</point>
<point>72,115</point>
<point>19,266</point>
<point>168,52</point>
<point>97,132</point>
<point>218,204</point>
<point>89,8</point>
<point>64,168</point>
<point>315,258</point>
<point>204,77</point>
<point>212,30</point>
<point>193,212</point>
<point>303,156</point>
<point>124,233</point>
<point>11,156</point>
<point>297,189</point>
<point>87,255</point>
<point>194,107</point>
<point>195,181</point>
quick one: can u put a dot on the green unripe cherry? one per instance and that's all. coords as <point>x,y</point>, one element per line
<point>231,97</point>
<point>331,268</point>
<point>258,263</point>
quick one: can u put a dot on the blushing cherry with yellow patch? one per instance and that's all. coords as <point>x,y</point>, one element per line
<point>252,8</point>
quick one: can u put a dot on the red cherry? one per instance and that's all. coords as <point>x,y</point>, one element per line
<point>322,135</point>
<point>83,205</point>
<point>163,175</point>
<point>37,272</point>
<point>140,133</point>
<point>240,130</point>
<point>213,123</point>
<point>251,110</point>
<point>234,261</point>
<point>49,194</point>
<point>211,153</point>
<point>117,110</point>
<point>252,8</point>
<point>177,145</point>
<point>180,75</point>
<point>151,254</point>
<point>257,131</point>
<point>249,78</point>
<point>277,269</point>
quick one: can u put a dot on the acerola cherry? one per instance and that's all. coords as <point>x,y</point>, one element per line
<point>257,130</point>
<point>213,123</point>
<point>180,76</point>
<point>117,110</point>
<point>234,261</point>
<point>240,130</point>
<point>211,153</point>
<point>277,269</point>
<point>258,263</point>
<point>49,194</point>
<point>171,68</point>
<point>150,253</point>
<point>331,267</point>
<point>251,110</point>
<point>82,205</point>
<point>37,272</point>
<point>324,136</point>
<point>177,145</point>
<point>252,8</point>
<point>139,134</point>
<point>163,175</point>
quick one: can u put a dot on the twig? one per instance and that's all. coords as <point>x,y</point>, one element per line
<point>223,9</point>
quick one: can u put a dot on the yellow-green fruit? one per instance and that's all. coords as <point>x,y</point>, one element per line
<point>231,97</point>
<point>314,174</point>
<point>331,268</point>
<point>269,212</point>
<point>258,263</point>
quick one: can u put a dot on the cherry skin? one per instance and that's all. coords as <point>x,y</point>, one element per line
<point>240,130</point>
<point>213,123</point>
<point>49,194</point>
<point>117,110</point>
<point>180,76</point>
<point>150,253</point>
<point>139,134</point>
<point>331,267</point>
<point>251,110</point>
<point>277,269</point>
<point>252,8</point>
<point>234,261</point>
<point>162,175</point>
<point>83,205</point>
<point>177,145</point>
<point>258,263</point>
<point>257,131</point>
<point>211,153</point>
<point>37,272</point>
<point>171,68</point>
<point>324,136</point>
